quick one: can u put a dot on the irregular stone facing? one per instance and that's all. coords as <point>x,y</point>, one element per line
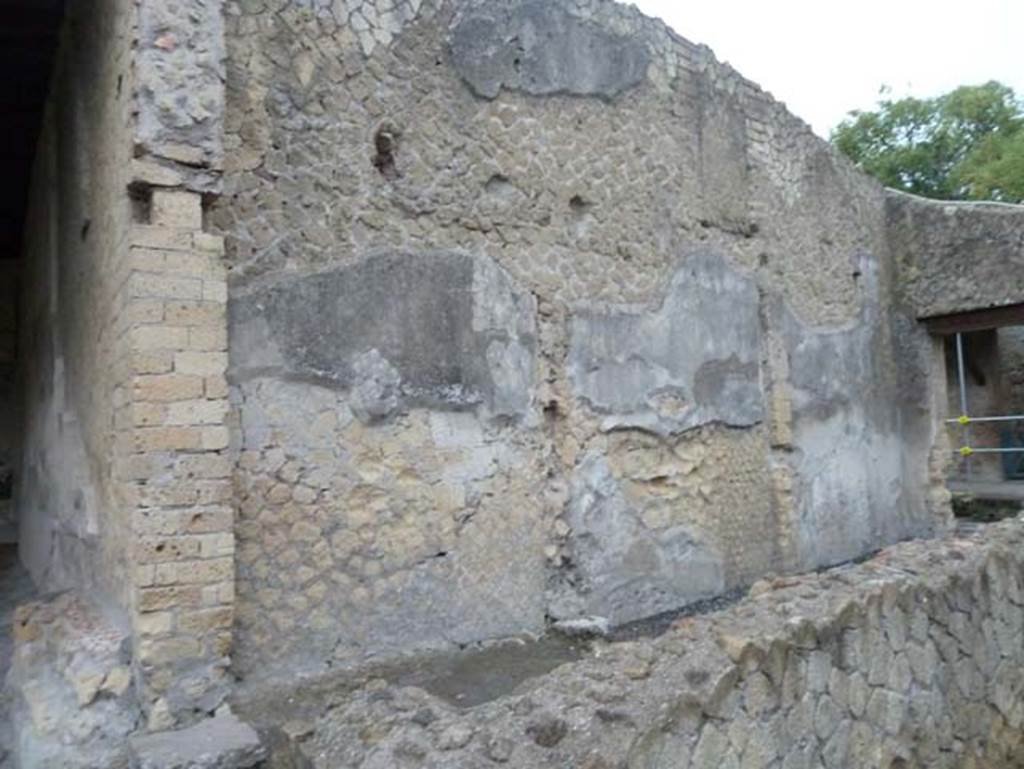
<point>956,257</point>
<point>354,541</point>
<point>910,659</point>
<point>374,22</point>
<point>443,330</point>
<point>540,48</point>
<point>221,742</point>
<point>693,361</point>
<point>585,203</point>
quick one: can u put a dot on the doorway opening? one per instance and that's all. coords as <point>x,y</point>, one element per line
<point>985,412</point>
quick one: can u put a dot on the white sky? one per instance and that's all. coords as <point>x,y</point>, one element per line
<point>824,58</point>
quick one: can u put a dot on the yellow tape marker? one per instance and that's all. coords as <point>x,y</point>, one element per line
<point>964,420</point>
<point>966,451</point>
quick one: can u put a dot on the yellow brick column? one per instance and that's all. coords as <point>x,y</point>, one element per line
<point>174,443</point>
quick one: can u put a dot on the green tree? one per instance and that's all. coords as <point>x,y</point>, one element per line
<point>967,144</point>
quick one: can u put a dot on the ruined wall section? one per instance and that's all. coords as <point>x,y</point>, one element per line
<point>651,421</point>
<point>956,257</point>
<point>176,435</point>
<point>179,91</point>
<point>910,659</point>
<point>125,491</point>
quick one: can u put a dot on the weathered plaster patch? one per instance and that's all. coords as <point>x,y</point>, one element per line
<point>444,330</point>
<point>694,360</point>
<point>848,433</point>
<point>542,49</point>
<point>627,569</point>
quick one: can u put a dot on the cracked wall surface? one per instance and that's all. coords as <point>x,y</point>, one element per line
<point>688,339</point>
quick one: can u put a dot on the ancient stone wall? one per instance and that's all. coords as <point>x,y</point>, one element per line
<point>911,659</point>
<point>177,432</point>
<point>956,257</point>
<point>537,310</point>
<point>125,492</point>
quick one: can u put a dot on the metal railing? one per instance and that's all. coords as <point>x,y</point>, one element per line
<point>967,450</point>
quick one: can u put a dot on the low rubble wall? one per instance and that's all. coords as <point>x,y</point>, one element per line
<point>914,658</point>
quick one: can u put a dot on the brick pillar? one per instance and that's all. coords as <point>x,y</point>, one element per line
<point>174,450</point>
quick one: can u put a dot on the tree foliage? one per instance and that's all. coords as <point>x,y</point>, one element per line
<point>967,144</point>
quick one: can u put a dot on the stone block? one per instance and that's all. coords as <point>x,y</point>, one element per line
<point>219,742</point>
<point>149,284</point>
<point>169,387</point>
<point>196,412</point>
<point>176,209</point>
<point>497,47</point>
<point>148,338</point>
<point>203,364</point>
<point>149,236</point>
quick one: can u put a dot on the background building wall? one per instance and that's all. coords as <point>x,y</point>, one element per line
<point>537,310</point>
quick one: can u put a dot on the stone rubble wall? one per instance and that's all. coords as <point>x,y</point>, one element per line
<point>179,91</point>
<point>536,311</point>
<point>913,658</point>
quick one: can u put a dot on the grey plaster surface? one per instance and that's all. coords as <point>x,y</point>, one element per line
<point>221,742</point>
<point>851,432</point>
<point>541,48</point>
<point>438,329</point>
<point>625,570</point>
<point>956,257</point>
<point>692,361</point>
